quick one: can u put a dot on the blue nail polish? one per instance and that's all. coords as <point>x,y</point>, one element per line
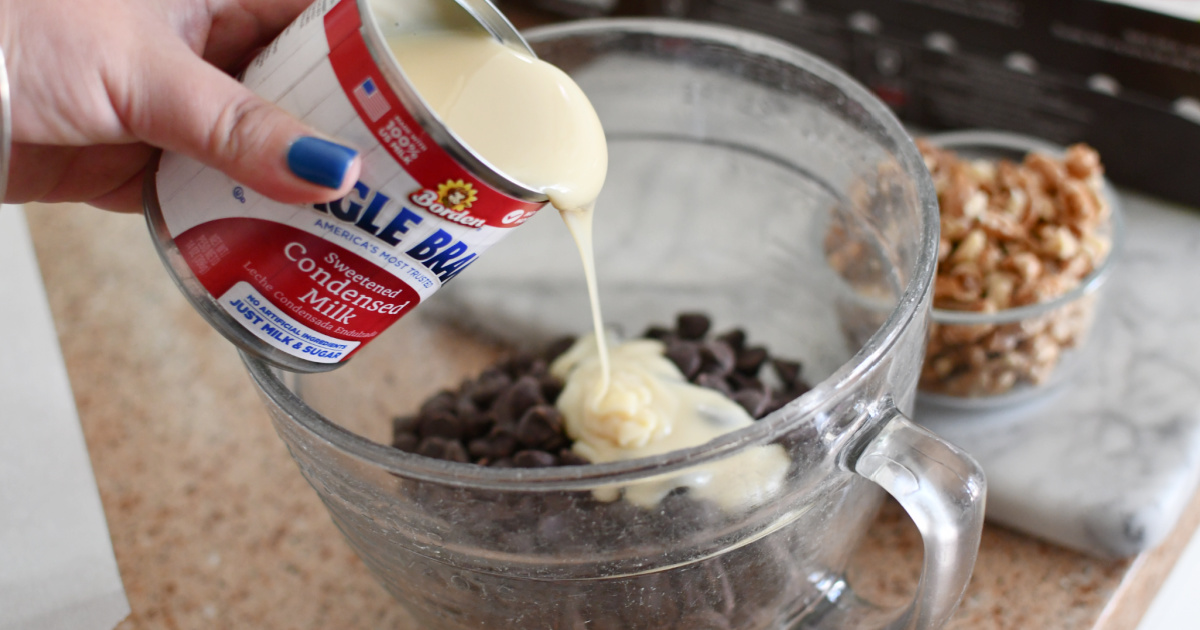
<point>320,161</point>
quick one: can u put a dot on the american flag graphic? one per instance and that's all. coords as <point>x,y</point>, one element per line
<point>372,100</point>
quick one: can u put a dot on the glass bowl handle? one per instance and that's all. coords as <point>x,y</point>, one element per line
<point>943,490</point>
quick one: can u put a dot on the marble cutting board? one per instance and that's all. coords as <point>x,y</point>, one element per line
<point>1106,463</point>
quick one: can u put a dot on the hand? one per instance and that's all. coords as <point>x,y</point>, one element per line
<point>99,86</point>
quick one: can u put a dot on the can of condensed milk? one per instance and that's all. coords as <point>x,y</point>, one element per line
<point>305,287</point>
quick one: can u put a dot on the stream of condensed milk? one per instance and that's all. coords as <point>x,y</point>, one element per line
<point>530,121</point>
<point>527,118</point>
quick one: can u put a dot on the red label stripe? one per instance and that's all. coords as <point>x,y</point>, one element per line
<point>396,129</point>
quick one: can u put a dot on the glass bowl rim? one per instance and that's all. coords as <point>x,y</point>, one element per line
<point>984,139</point>
<point>909,310</point>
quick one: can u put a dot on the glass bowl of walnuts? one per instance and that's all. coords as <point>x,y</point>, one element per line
<point>1029,234</point>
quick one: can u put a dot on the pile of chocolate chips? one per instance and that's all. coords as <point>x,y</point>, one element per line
<point>506,416</point>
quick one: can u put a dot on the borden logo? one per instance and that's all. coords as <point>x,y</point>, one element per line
<point>456,194</point>
<point>450,201</point>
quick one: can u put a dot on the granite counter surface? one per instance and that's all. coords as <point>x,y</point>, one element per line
<point>213,526</point>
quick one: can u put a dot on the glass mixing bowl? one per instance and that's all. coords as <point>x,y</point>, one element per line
<point>741,171</point>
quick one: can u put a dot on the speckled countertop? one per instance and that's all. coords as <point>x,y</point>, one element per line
<point>213,526</point>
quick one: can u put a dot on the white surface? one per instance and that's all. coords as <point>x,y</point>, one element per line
<point>1177,607</point>
<point>1186,9</point>
<point>1106,464</point>
<point>57,569</point>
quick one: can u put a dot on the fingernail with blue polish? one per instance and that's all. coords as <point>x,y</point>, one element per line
<point>320,161</point>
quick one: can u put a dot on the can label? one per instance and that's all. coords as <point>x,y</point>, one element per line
<point>318,281</point>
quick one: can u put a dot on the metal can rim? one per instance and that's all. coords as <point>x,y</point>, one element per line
<point>495,23</point>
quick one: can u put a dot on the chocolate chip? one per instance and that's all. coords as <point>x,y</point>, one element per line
<point>687,513</point>
<point>690,587</point>
<point>553,528</point>
<point>538,425</point>
<point>555,348</point>
<point>516,365</point>
<point>720,588</point>
<point>406,442</point>
<point>739,381</point>
<point>658,332</point>
<point>753,401</point>
<point>473,421</point>
<point>551,387</point>
<point>501,411</point>
<point>488,386</point>
<point>692,325</point>
<point>454,451</point>
<point>714,381</point>
<point>404,424</point>
<point>718,357</point>
<point>652,603</point>
<point>788,371</point>
<point>442,401</point>
<point>500,442</point>
<point>686,356</point>
<point>464,406</point>
<point>534,459</point>
<point>750,360</point>
<point>434,447</point>
<point>442,424</point>
<point>481,449</point>
<point>776,401</point>
<point>475,424</point>
<point>736,338</point>
<point>567,457</point>
<point>555,442</point>
<point>517,399</point>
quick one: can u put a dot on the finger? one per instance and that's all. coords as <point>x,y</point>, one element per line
<point>271,15</point>
<point>181,103</point>
<point>242,26</point>
<point>127,197</point>
<point>35,170</point>
<point>55,174</point>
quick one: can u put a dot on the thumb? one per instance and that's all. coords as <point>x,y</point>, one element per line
<point>188,106</point>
